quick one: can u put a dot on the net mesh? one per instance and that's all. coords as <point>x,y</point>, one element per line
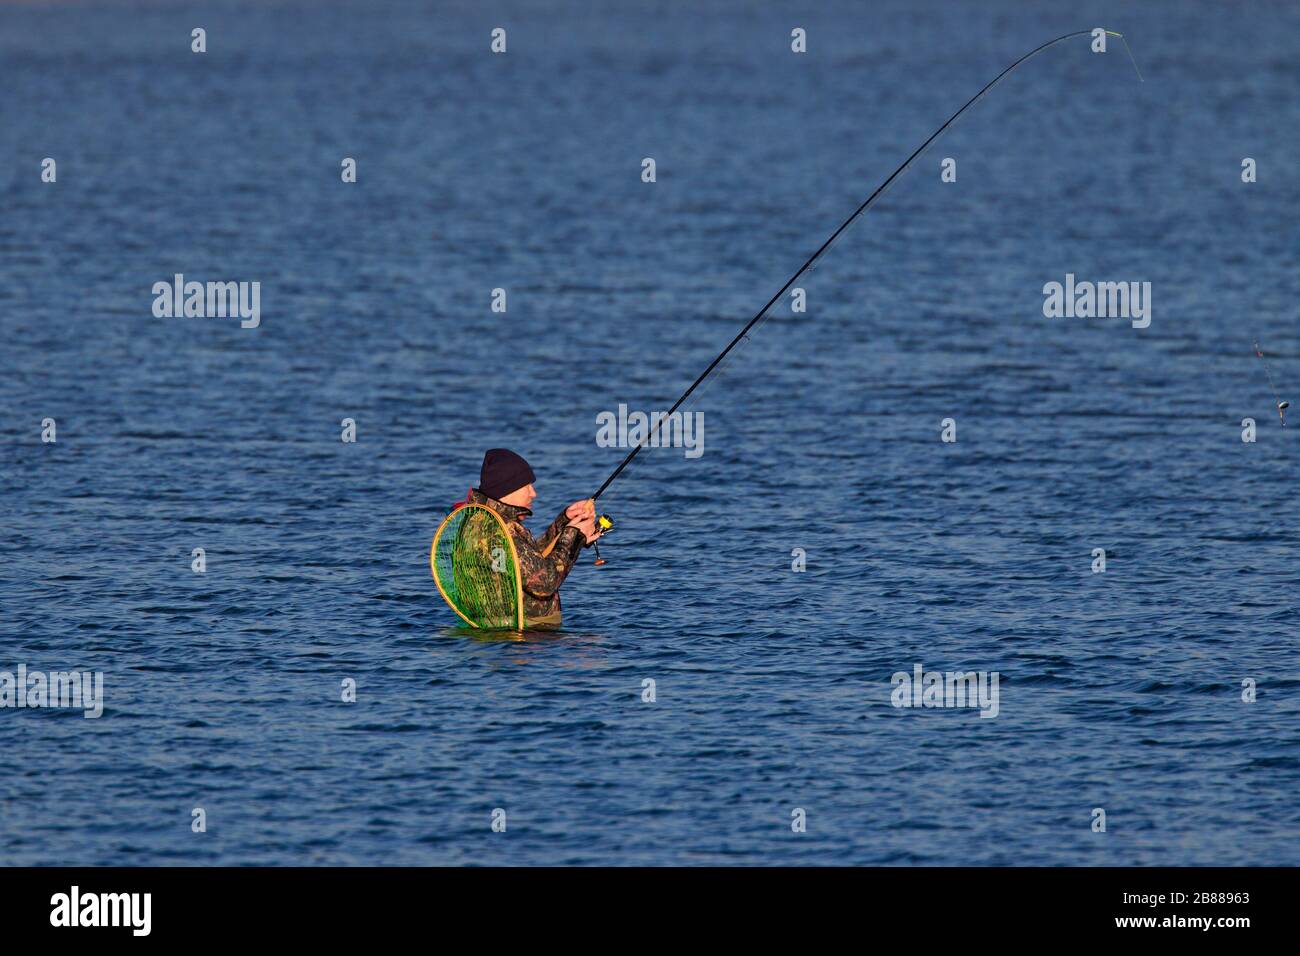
<point>473,562</point>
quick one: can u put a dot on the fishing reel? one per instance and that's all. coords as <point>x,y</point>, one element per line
<point>604,524</point>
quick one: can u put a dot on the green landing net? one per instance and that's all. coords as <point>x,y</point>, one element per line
<point>476,568</point>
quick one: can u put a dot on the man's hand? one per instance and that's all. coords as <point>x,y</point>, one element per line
<point>587,526</point>
<point>580,510</point>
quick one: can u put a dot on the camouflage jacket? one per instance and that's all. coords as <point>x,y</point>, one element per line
<point>544,562</point>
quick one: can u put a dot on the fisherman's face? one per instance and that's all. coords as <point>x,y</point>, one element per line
<point>523,498</point>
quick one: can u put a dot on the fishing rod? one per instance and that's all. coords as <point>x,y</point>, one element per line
<point>916,154</point>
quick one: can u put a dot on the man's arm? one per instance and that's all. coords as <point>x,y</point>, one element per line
<point>543,572</point>
<point>580,514</point>
<point>547,541</point>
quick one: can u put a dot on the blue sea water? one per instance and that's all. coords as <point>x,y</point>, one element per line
<point>1119,690</point>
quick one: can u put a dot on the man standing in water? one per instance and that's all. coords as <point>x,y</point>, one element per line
<point>506,486</point>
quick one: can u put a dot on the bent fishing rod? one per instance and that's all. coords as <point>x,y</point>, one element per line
<point>812,260</point>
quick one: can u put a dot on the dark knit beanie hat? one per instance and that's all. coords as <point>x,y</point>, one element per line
<point>503,472</point>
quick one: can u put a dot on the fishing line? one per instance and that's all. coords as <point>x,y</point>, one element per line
<point>1131,58</point>
<point>812,260</point>
<point>1277,397</point>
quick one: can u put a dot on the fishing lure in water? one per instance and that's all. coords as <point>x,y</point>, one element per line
<point>1281,405</point>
